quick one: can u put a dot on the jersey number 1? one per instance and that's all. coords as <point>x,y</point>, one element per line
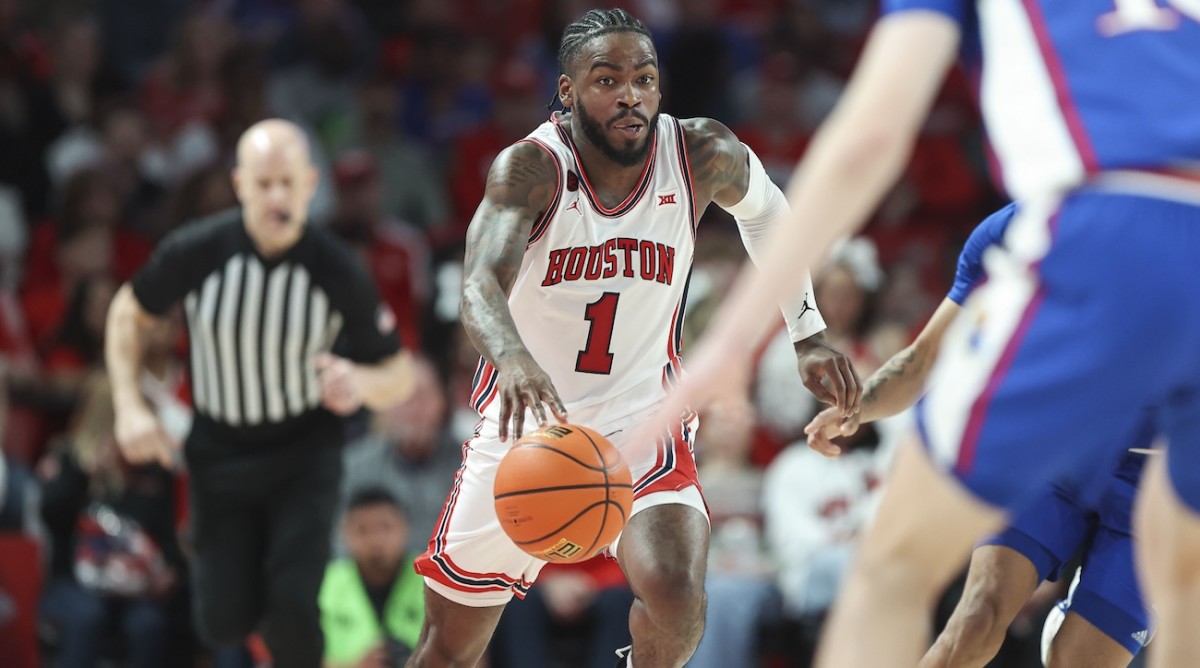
<point>596,357</point>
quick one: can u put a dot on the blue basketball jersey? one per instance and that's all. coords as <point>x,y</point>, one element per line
<point>1070,88</point>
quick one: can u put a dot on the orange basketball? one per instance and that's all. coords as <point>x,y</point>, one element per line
<point>563,493</point>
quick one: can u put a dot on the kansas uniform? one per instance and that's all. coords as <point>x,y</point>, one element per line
<point>1091,111</point>
<point>1064,520</point>
<point>599,303</point>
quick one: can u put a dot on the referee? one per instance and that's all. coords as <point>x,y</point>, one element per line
<point>266,296</point>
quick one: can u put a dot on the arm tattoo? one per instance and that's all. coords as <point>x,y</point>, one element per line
<point>519,187</point>
<point>717,160</point>
<point>896,369</point>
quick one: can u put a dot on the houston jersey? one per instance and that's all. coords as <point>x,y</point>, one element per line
<point>599,299</point>
<point>1070,88</point>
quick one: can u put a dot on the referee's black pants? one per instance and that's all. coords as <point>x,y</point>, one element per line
<point>260,528</point>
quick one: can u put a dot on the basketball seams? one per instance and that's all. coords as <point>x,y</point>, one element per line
<point>571,521</point>
<point>607,490</point>
<point>569,456</point>
<point>582,486</point>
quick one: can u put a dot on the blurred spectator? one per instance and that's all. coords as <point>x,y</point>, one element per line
<point>815,507</point>
<point>372,603</point>
<point>697,63</point>
<point>415,190</point>
<point>318,60</point>
<point>114,557</point>
<point>243,85</point>
<point>741,594</point>
<point>86,240</point>
<point>411,453</point>
<point>204,192</point>
<point>586,604</point>
<point>18,490</point>
<point>520,106</point>
<point>185,87</point>
<point>396,253</point>
<point>77,347</point>
<point>136,33</point>
<point>774,128</point>
<point>47,92</point>
<point>445,95</point>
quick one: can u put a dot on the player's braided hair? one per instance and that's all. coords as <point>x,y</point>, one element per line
<point>595,23</point>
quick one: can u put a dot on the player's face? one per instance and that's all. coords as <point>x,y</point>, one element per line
<point>275,187</point>
<point>375,536</point>
<point>614,95</point>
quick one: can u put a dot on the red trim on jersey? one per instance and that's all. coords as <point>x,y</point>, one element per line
<point>436,564</point>
<point>631,200</point>
<point>1083,144</point>
<point>689,183</point>
<point>675,467</point>
<point>543,223</point>
<point>485,385</point>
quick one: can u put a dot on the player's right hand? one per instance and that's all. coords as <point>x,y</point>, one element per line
<point>142,439</point>
<point>827,425</point>
<point>522,384</point>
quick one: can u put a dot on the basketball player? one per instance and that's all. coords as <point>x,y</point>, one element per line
<point>266,294</point>
<point>1105,621</point>
<point>576,274</point>
<point>1092,111</point>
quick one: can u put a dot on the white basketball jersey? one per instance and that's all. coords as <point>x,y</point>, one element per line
<point>600,296</point>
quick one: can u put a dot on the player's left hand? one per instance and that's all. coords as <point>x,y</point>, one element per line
<point>829,375</point>
<point>339,387</point>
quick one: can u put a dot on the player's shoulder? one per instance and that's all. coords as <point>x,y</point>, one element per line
<point>332,251</point>
<point>707,134</point>
<point>524,174</point>
<point>530,156</point>
<point>201,232</point>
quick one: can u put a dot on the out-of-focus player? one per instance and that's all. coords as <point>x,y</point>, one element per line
<point>1092,112</point>
<point>1103,621</point>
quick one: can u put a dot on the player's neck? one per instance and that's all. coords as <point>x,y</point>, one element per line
<point>610,180</point>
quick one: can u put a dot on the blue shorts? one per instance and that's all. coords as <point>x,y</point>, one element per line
<point>1057,526</point>
<point>1089,314</point>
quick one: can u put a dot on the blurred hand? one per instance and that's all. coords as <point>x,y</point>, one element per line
<point>827,425</point>
<point>714,372</point>
<point>142,439</point>
<point>339,389</point>
<point>568,595</point>
<point>830,376</point>
<point>522,384</point>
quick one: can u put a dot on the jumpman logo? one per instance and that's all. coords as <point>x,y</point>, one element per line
<point>805,308</point>
<point>575,206</point>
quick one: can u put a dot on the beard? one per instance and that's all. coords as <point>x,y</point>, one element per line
<point>634,152</point>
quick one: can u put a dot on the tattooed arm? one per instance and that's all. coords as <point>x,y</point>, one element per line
<point>894,387</point>
<point>520,186</point>
<point>720,169</point>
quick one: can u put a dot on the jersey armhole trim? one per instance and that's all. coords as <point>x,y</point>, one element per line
<point>688,182</point>
<point>543,223</point>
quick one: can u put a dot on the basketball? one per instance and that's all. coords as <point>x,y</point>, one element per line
<point>563,493</point>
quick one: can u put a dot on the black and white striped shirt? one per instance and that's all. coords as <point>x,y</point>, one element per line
<point>256,324</point>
